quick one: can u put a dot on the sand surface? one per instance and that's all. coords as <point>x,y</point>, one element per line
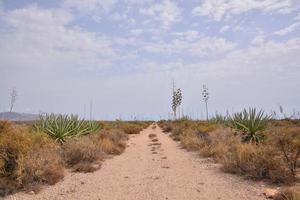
<point>168,172</point>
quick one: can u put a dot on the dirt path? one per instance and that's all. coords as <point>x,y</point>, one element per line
<point>139,173</point>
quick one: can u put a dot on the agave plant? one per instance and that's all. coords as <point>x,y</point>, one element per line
<point>251,123</point>
<point>61,127</point>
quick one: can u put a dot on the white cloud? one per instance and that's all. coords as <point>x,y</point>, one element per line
<point>38,38</point>
<point>219,9</point>
<point>1,6</point>
<point>189,35</point>
<point>89,5</point>
<point>258,40</point>
<point>297,17</point>
<point>205,46</point>
<point>288,29</point>
<point>136,31</point>
<point>119,17</point>
<point>166,12</point>
<point>224,29</point>
<point>138,2</point>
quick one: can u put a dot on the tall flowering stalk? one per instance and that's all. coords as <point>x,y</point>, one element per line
<point>176,101</point>
<point>205,98</point>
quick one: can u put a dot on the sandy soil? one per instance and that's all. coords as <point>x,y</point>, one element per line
<point>139,173</point>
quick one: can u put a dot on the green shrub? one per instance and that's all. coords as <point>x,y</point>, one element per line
<point>250,124</point>
<point>61,127</point>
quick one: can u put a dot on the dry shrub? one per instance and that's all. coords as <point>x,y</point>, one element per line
<point>203,126</point>
<point>287,140</point>
<point>81,150</point>
<point>166,126</point>
<point>108,146</point>
<point>5,126</point>
<point>190,141</point>
<point>131,129</point>
<point>27,159</point>
<point>255,161</point>
<point>176,133</point>
<point>42,163</point>
<point>217,143</point>
<point>111,142</point>
<point>292,193</point>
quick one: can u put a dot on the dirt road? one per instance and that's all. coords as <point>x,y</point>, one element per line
<point>151,171</point>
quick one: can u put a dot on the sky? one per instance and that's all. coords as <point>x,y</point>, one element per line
<point>122,56</point>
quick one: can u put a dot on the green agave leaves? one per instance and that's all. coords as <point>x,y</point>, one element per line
<point>251,123</point>
<point>61,127</point>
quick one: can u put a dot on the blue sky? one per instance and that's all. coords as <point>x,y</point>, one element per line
<point>123,55</point>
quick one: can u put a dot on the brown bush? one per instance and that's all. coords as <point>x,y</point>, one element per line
<point>111,142</point>
<point>257,162</point>
<point>42,164</point>
<point>27,159</point>
<point>217,143</point>
<point>129,128</point>
<point>81,150</point>
<point>287,140</point>
<point>190,141</point>
<point>166,127</point>
<point>176,133</point>
<point>5,126</point>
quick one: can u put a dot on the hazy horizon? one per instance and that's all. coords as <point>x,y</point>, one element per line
<point>123,56</point>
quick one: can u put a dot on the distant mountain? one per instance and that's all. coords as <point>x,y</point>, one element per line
<point>13,116</point>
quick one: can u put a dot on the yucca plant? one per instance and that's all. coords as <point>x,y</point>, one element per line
<point>251,124</point>
<point>61,127</point>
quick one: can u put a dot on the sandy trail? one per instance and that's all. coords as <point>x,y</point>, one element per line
<point>170,173</point>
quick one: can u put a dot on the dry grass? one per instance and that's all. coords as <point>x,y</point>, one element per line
<point>27,159</point>
<point>111,142</point>
<point>81,151</point>
<point>166,126</point>
<point>276,159</point>
<point>292,193</point>
<point>257,162</point>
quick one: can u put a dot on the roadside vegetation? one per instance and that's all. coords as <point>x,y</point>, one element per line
<point>36,154</point>
<point>248,143</point>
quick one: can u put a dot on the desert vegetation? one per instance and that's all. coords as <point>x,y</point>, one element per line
<point>38,153</point>
<point>248,143</point>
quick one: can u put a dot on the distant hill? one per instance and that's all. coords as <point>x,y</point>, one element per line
<point>13,116</point>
